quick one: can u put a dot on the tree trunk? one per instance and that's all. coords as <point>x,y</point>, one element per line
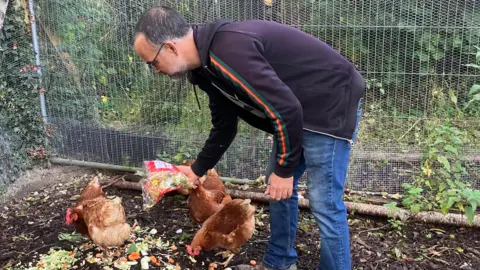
<point>361,208</point>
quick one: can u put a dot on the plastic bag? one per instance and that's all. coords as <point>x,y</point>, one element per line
<point>160,178</point>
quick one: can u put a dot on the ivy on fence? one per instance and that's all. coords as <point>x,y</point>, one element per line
<point>19,85</point>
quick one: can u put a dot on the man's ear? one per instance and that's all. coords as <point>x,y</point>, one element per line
<point>171,47</point>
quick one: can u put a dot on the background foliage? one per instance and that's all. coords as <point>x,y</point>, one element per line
<point>21,131</point>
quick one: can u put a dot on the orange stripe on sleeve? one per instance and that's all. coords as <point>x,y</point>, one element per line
<point>280,127</point>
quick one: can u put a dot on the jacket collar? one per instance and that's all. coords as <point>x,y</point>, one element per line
<point>203,36</point>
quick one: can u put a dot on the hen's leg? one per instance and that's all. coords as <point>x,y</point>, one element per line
<point>225,254</point>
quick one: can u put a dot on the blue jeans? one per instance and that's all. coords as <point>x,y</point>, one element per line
<point>325,159</point>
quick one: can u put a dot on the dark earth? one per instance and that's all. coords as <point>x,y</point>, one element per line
<point>31,225</point>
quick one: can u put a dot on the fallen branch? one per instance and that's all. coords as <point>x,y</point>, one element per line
<point>361,208</point>
<point>375,210</point>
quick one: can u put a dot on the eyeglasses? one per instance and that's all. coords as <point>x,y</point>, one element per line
<point>152,64</point>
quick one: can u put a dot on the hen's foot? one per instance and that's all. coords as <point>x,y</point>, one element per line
<point>224,255</point>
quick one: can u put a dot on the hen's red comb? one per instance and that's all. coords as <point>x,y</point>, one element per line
<point>68,219</point>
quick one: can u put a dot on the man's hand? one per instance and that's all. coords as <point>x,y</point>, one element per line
<point>279,188</point>
<point>192,177</point>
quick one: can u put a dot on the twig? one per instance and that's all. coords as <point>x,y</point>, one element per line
<point>117,178</point>
<point>439,260</point>
<point>361,242</point>
<point>373,229</point>
<point>472,250</point>
<point>8,255</point>
<point>51,245</point>
<point>414,124</point>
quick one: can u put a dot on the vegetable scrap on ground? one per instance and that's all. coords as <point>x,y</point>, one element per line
<point>35,236</point>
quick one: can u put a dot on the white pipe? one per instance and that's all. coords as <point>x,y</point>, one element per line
<point>37,60</point>
<point>103,166</point>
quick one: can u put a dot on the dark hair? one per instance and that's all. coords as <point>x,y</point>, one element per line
<point>161,23</point>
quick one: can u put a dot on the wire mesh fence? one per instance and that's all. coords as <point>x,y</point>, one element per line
<point>104,105</point>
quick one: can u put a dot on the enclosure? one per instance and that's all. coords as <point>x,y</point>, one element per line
<point>73,91</point>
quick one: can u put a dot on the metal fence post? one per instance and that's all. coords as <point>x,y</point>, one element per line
<point>37,60</point>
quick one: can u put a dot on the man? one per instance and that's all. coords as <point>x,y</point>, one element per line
<point>284,82</point>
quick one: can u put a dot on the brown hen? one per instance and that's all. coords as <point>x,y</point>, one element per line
<point>101,219</point>
<point>229,228</point>
<point>106,221</point>
<point>209,197</point>
<point>75,215</point>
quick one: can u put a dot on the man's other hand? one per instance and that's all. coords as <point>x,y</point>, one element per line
<point>279,188</point>
<point>191,176</point>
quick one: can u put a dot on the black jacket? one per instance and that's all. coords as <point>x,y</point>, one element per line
<point>288,81</point>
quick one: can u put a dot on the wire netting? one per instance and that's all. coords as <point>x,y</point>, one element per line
<point>104,105</point>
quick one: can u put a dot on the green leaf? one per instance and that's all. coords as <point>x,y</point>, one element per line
<point>456,140</point>
<point>415,190</point>
<point>415,208</point>
<point>475,98</point>
<point>474,89</point>
<point>132,248</point>
<point>439,140</point>
<point>438,55</point>
<point>453,97</point>
<point>111,71</point>
<point>423,57</point>
<point>445,162</point>
<point>442,187</point>
<point>103,80</point>
<point>446,205</point>
<point>470,212</point>
<point>451,149</point>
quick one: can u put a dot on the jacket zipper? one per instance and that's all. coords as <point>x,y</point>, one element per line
<point>326,134</point>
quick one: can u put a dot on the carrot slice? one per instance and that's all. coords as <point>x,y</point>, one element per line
<point>153,259</point>
<point>134,256</point>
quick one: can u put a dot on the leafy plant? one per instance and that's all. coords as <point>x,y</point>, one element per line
<point>184,153</point>
<point>441,184</point>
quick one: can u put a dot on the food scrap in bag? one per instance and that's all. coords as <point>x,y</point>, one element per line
<point>161,177</point>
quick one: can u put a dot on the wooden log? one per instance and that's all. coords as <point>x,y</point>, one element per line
<point>361,208</point>
<point>128,185</point>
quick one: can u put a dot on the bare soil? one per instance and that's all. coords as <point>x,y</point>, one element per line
<point>32,222</point>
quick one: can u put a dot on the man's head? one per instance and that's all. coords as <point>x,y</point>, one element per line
<point>163,39</point>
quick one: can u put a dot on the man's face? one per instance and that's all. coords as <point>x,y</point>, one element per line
<point>166,58</point>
